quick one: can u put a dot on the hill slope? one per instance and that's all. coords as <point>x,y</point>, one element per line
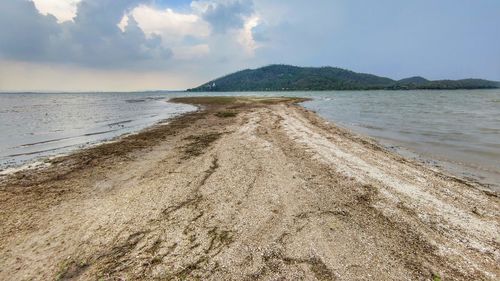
<point>294,78</point>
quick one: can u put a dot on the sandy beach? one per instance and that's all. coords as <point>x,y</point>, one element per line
<point>245,189</point>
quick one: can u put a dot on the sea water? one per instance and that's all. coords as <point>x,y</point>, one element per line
<point>34,126</point>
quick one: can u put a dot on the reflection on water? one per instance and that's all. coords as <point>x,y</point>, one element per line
<point>35,125</point>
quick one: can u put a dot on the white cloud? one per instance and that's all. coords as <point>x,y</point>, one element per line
<point>195,35</point>
<point>123,23</point>
<point>185,34</point>
<point>171,26</point>
<point>245,37</point>
<point>200,6</point>
<point>63,10</point>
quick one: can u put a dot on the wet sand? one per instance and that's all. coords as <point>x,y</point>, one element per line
<point>245,189</point>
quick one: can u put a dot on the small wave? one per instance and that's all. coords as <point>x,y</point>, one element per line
<point>372,127</point>
<point>43,142</point>
<point>429,133</point>
<point>406,132</point>
<point>156,98</point>
<point>38,151</point>
<point>119,123</point>
<point>67,138</point>
<point>100,133</point>
<point>135,101</point>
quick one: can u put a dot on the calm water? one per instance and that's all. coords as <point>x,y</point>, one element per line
<point>458,130</point>
<point>40,125</point>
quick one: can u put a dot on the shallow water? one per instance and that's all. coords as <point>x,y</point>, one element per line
<point>36,125</point>
<point>457,130</point>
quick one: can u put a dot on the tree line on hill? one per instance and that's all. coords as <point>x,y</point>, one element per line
<point>294,78</point>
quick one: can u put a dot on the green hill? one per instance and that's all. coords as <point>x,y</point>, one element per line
<point>294,78</point>
<point>413,80</point>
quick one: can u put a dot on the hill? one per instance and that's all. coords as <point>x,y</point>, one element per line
<point>413,80</point>
<point>294,78</point>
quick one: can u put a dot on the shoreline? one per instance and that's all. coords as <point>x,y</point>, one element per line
<point>74,128</point>
<point>472,173</point>
<point>448,167</point>
<point>245,188</point>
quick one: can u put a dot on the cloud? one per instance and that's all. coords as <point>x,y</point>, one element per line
<point>170,24</point>
<point>63,10</point>
<point>92,39</point>
<point>246,36</point>
<point>185,33</point>
<point>194,39</point>
<point>121,34</point>
<point>260,32</point>
<point>225,15</point>
<point>23,31</point>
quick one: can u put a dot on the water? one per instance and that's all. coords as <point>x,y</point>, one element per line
<point>457,130</point>
<point>36,125</point>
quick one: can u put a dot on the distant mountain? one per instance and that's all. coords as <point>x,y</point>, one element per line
<point>422,83</point>
<point>294,78</point>
<point>413,80</point>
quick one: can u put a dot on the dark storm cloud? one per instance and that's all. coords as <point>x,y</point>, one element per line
<point>230,15</point>
<point>92,39</point>
<point>24,33</point>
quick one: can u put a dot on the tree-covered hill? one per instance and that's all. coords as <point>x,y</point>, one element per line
<point>294,78</point>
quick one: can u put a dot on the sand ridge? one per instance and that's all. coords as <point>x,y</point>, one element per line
<point>245,189</point>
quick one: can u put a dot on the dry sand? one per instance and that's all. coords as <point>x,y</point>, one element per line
<point>245,189</point>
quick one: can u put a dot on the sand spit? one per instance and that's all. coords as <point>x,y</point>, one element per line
<point>245,189</point>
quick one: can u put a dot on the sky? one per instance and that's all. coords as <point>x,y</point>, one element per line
<point>134,45</point>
